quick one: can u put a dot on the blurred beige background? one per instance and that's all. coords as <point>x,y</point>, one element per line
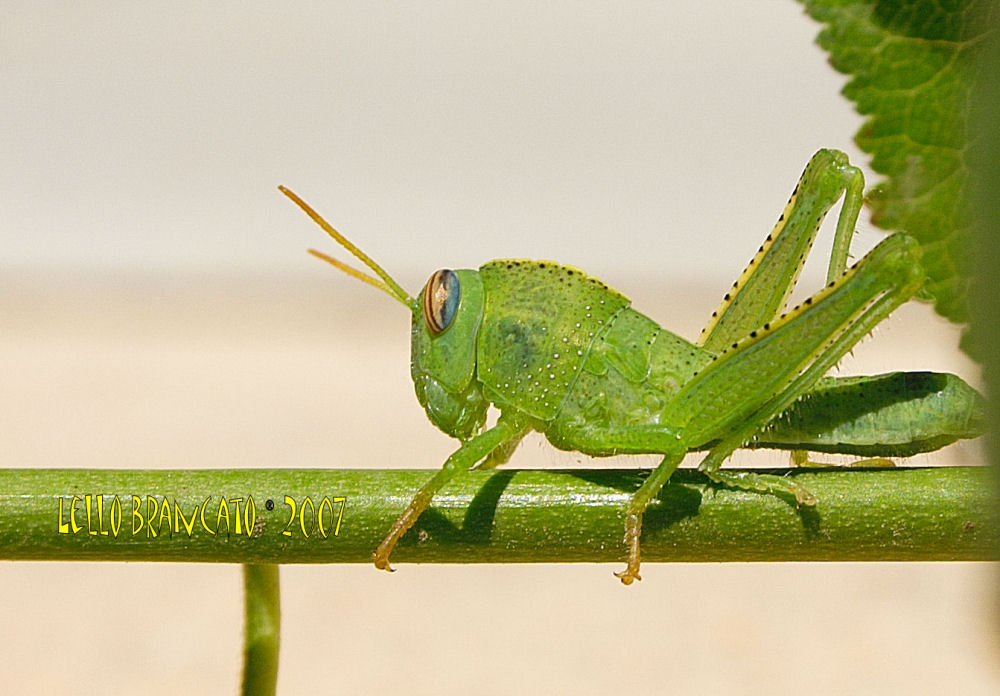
<point>157,310</point>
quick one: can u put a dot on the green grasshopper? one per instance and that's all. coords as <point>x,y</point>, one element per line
<point>560,352</point>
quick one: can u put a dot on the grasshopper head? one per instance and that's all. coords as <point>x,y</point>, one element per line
<point>446,319</point>
<point>443,351</point>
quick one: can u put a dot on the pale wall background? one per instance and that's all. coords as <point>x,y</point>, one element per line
<point>157,309</point>
<point>661,138</point>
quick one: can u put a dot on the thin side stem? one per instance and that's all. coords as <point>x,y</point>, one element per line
<point>262,630</point>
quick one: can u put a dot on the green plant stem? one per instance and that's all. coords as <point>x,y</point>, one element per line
<point>929,514</point>
<point>262,632</point>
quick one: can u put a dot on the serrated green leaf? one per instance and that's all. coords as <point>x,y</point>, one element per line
<point>913,64</point>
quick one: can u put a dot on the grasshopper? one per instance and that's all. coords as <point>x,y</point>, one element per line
<point>560,352</point>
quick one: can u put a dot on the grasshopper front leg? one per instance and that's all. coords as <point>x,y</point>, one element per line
<point>508,428</point>
<point>758,378</point>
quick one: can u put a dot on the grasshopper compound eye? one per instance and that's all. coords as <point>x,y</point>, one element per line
<point>441,295</point>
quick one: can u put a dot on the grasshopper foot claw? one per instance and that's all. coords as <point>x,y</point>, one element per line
<point>382,562</point>
<point>628,575</point>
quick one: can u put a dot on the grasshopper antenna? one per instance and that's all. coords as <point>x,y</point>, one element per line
<point>386,284</point>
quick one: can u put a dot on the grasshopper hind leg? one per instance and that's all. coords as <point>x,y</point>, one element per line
<point>885,279</point>
<point>762,291</point>
<point>740,393</point>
